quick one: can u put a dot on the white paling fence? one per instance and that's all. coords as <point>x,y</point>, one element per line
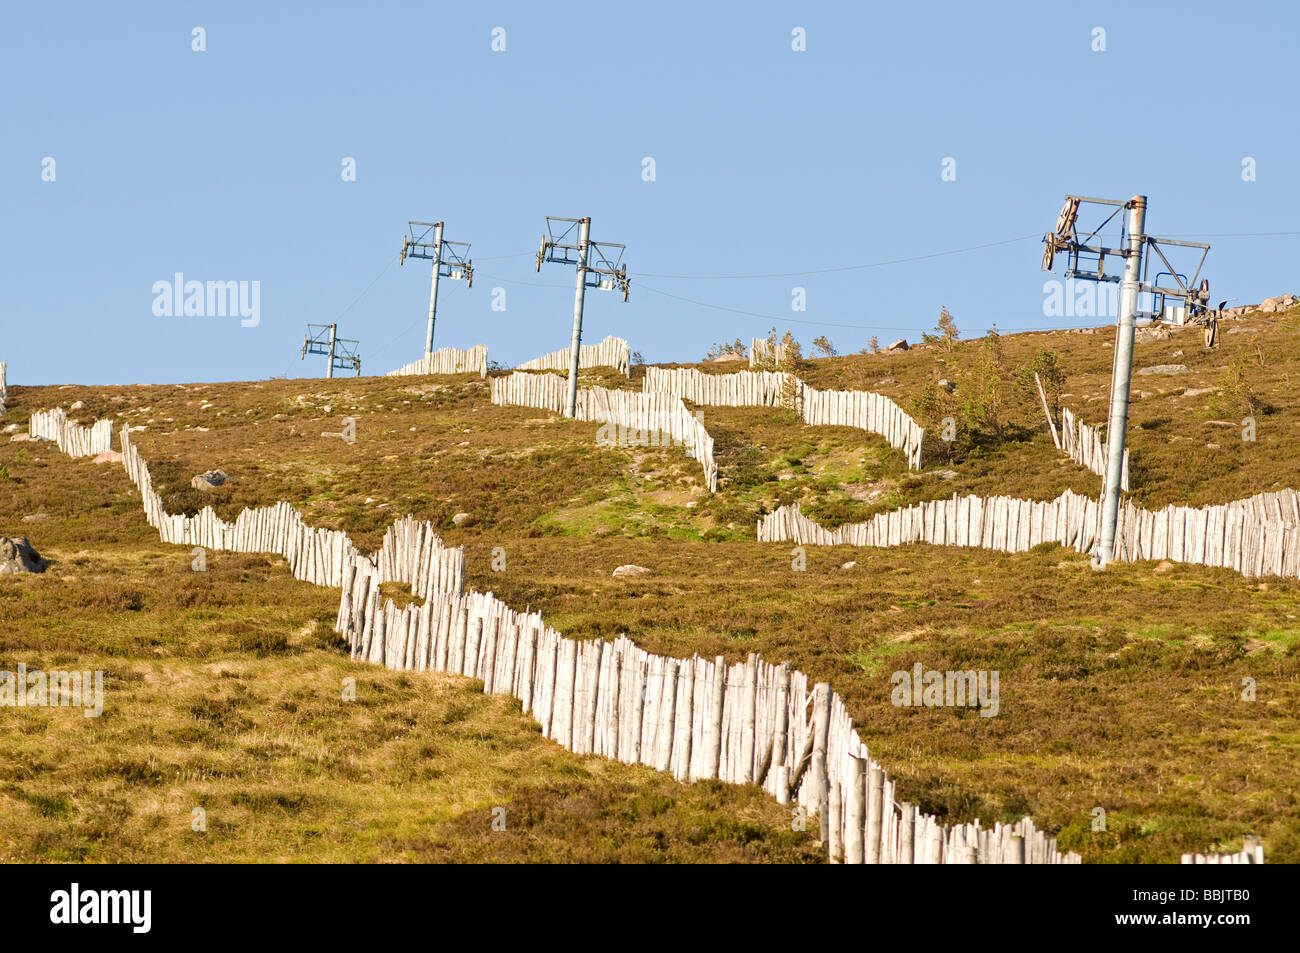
<point>543,391</point>
<point>1257,536</point>
<point>4,389</point>
<point>864,410</point>
<point>662,413</point>
<point>73,439</point>
<point>741,389</point>
<point>448,360</point>
<point>696,718</point>
<point>411,551</point>
<point>1253,853</point>
<point>1002,523</point>
<point>640,412</point>
<point>611,352</point>
<point>1083,445</point>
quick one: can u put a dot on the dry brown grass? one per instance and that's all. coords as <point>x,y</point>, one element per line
<point>1119,690</point>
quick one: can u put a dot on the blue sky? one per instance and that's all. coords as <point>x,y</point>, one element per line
<point>226,165</point>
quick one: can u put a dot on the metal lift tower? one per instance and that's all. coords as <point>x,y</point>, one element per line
<point>339,352</point>
<point>573,246</point>
<point>449,261</point>
<point>1182,302</point>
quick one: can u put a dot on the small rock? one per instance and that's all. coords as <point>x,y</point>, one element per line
<point>460,519</point>
<point>1163,566</point>
<point>879,383</point>
<point>899,345</point>
<point>24,438</point>
<point>1178,353</point>
<point>12,428</point>
<point>946,474</point>
<point>948,385</point>
<point>17,555</point>
<point>1238,330</point>
<point>1198,391</point>
<point>108,456</point>
<point>629,570</point>
<point>36,518</point>
<point>1164,369</point>
<point>370,499</point>
<point>209,480</point>
<point>849,565</point>
<point>691,504</point>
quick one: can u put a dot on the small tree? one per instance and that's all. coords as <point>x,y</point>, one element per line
<point>935,407</point>
<point>993,341</point>
<point>946,334</point>
<point>1047,365</point>
<point>791,394</point>
<point>983,391</point>
<point>823,344</point>
<point>874,344</point>
<point>789,353</point>
<point>1235,394</point>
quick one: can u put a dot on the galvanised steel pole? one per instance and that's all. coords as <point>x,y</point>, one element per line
<point>579,291</point>
<point>1119,387</point>
<point>433,290</point>
<point>329,368</point>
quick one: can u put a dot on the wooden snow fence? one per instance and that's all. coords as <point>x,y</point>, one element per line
<point>635,412</point>
<point>543,391</point>
<point>1252,852</point>
<point>611,352</point>
<point>4,387</point>
<point>73,439</point>
<point>411,551</point>
<point>1002,523</point>
<point>741,389</point>
<point>864,410</point>
<point>1083,445</point>
<point>1258,536</point>
<point>750,722</point>
<point>448,360</point>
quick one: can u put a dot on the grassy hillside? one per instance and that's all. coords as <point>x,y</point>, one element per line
<point>1119,690</point>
